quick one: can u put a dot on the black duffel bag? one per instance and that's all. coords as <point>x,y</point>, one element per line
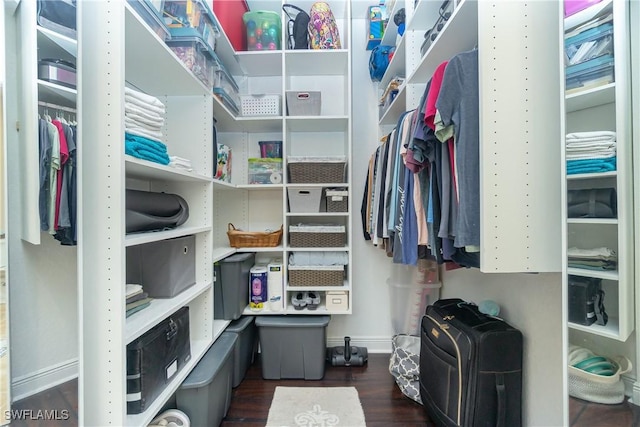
<point>148,211</point>
<point>592,203</point>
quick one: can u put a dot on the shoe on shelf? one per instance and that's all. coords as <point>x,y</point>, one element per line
<point>313,300</point>
<point>299,300</point>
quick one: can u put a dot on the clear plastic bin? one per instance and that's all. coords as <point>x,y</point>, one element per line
<point>192,52</point>
<point>265,171</point>
<point>263,30</point>
<point>189,18</point>
<point>270,149</point>
<point>151,13</point>
<point>225,86</point>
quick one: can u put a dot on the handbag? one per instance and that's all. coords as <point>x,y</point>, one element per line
<point>596,378</point>
<point>404,365</point>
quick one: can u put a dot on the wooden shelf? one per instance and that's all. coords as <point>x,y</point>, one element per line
<point>396,66</point>
<point>270,249</point>
<point>599,274</point>
<point>599,175</point>
<point>594,221</point>
<point>57,94</point>
<point>221,253</point>
<point>397,107</point>
<point>139,168</point>
<point>610,330</point>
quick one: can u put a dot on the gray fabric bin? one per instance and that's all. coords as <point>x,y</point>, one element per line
<point>293,347</point>
<point>243,354</point>
<point>205,395</point>
<point>164,268</point>
<point>231,287</point>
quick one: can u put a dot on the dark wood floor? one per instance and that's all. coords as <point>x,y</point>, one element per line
<point>382,402</point>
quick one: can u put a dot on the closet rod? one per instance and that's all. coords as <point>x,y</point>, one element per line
<point>57,107</point>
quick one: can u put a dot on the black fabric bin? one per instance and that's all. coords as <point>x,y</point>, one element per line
<point>154,358</point>
<point>592,203</point>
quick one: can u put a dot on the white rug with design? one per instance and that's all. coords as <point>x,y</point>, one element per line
<point>315,406</point>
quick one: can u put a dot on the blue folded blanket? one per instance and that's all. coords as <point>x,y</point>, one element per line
<point>146,149</point>
<point>590,165</point>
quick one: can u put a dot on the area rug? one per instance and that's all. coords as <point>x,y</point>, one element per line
<point>315,406</point>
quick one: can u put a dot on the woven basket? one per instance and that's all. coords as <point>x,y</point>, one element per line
<point>316,173</point>
<point>317,240</point>
<point>253,239</point>
<point>315,277</point>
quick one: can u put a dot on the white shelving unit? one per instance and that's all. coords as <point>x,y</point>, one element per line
<point>258,207</point>
<point>606,107</point>
<point>510,189</point>
<point>111,52</point>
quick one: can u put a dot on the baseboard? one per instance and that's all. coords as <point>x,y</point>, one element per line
<point>632,388</point>
<point>373,344</point>
<point>30,384</point>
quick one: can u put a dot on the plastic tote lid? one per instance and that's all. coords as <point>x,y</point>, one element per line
<point>293,321</point>
<point>238,257</point>
<point>240,324</point>
<point>208,367</point>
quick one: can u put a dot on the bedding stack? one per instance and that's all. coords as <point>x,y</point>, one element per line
<point>590,152</point>
<point>143,122</point>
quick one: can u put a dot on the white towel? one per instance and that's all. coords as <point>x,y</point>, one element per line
<point>146,107</point>
<point>132,288</point>
<point>579,150</point>
<point>134,123</point>
<point>149,114</point>
<point>604,135</point>
<point>156,120</point>
<point>602,144</point>
<point>180,166</point>
<point>180,161</point>
<point>155,136</point>
<point>147,99</point>
<point>589,156</point>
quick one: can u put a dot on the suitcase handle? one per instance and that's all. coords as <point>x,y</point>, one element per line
<point>502,401</point>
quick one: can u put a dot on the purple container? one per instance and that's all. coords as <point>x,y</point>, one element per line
<point>270,149</point>
<point>574,6</point>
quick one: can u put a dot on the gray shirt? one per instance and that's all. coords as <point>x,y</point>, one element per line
<point>458,104</point>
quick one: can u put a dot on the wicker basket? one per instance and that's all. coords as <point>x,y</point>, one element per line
<point>337,200</point>
<point>253,239</point>
<point>316,172</point>
<point>316,275</point>
<point>311,239</point>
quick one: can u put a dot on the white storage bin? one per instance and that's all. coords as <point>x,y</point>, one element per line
<point>337,300</point>
<point>305,200</point>
<point>260,105</point>
<point>303,103</point>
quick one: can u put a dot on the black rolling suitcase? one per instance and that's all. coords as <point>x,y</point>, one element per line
<point>470,367</point>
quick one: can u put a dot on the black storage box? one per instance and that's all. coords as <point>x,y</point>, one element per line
<point>582,299</point>
<point>154,358</point>
<point>164,268</point>
<point>231,287</point>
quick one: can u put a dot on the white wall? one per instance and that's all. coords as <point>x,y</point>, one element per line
<point>533,304</point>
<point>42,287</point>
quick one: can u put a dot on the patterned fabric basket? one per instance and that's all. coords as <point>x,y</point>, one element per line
<point>316,275</point>
<point>253,239</point>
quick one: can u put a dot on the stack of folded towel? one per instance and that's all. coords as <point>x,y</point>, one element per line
<point>180,163</point>
<point>592,259</point>
<point>136,299</point>
<point>318,258</point>
<point>590,152</point>
<point>143,122</point>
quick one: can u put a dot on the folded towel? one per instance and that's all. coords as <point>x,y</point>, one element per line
<point>595,252</point>
<point>603,134</point>
<point>130,108</point>
<point>318,258</point>
<point>587,156</point>
<point>145,133</point>
<point>136,124</point>
<point>590,166</point>
<point>148,99</point>
<point>181,166</point>
<point>151,109</point>
<point>591,146</point>
<point>131,289</point>
<point>146,149</point>
<point>144,120</point>
<point>138,308</point>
